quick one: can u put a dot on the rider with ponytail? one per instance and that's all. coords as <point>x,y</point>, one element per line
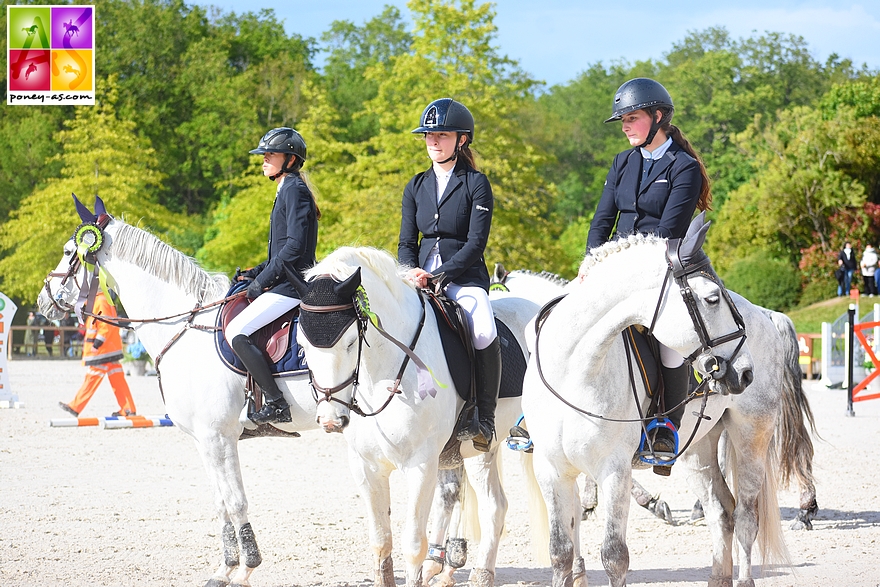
<point>655,187</point>
<point>293,238</point>
<point>446,217</point>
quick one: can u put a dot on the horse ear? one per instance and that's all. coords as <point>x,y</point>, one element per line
<point>84,213</point>
<point>500,274</point>
<point>694,239</point>
<point>299,284</point>
<point>347,288</point>
<point>99,206</point>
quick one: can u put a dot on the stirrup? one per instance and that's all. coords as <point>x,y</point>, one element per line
<point>519,439</point>
<point>648,455</point>
<point>469,430</point>
<point>270,412</point>
<point>482,441</point>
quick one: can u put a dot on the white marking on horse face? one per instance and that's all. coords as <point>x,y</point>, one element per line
<point>65,294</point>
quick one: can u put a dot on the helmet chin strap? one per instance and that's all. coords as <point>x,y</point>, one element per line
<point>284,168</point>
<point>454,155</point>
<point>655,126</point>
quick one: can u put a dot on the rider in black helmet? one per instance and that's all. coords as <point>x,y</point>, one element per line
<point>293,237</point>
<point>652,188</point>
<point>446,217</point>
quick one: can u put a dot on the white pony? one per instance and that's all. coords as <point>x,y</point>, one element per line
<point>794,447</point>
<point>582,416</point>
<point>202,396</point>
<point>360,328</point>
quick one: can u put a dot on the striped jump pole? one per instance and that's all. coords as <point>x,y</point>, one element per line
<point>100,421</point>
<point>136,423</point>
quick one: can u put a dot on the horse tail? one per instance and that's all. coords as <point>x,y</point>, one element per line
<point>539,522</point>
<point>792,440</point>
<point>770,542</point>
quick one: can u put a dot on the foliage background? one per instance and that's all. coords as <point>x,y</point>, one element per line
<point>791,144</point>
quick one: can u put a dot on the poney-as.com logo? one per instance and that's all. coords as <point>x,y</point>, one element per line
<point>51,55</point>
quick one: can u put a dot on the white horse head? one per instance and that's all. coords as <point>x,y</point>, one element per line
<point>333,323</point>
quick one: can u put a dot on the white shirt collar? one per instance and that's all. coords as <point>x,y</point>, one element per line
<point>658,152</point>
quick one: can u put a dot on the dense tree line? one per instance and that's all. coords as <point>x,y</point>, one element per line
<point>791,143</point>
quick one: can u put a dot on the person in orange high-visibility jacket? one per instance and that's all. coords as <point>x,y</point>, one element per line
<point>102,351</point>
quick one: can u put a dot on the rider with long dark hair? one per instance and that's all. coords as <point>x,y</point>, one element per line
<point>293,238</point>
<point>450,205</point>
<point>652,188</point>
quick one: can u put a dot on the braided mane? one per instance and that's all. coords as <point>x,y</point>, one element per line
<point>603,252</point>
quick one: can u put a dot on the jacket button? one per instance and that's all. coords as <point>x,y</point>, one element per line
<point>436,216</point>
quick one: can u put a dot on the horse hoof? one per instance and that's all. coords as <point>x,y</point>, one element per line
<point>216,582</point>
<point>482,578</point>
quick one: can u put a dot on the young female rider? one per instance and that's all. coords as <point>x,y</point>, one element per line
<point>293,237</point>
<point>451,205</point>
<point>654,187</point>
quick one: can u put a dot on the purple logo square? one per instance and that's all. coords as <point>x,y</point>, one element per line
<point>72,27</point>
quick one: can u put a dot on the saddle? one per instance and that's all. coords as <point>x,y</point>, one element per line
<point>277,339</point>
<point>458,349</point>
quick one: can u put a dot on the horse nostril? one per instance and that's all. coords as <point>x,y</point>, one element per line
<point>344,420</point>
<point>747,377</point>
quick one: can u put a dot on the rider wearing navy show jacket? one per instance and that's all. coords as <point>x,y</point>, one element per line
<point>653,188</point>
<point>293,238</point>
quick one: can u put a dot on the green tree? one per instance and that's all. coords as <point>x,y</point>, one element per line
<point>787,204</point>
<point>351,51</point>
<point>451,55</point>
<point>101,156</point>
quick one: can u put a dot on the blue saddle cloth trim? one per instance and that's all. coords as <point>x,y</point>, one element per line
<point>292,363</point>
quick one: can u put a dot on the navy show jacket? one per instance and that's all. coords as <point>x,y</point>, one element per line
<point>293,236</point>
<point>460,222</point>
<point>662,205</point>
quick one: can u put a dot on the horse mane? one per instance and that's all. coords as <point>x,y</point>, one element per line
<point>340,264</point>
<point>545,275</point>
<point>139,247</point>
<point>602,252</point>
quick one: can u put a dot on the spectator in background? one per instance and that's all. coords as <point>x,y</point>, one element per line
<point>102,351</point>
<point>847,260</point>
<point>869,266</point>
<point>30,336</point>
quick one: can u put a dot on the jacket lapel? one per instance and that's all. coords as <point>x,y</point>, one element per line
<point>454,182</point>
<point>658,169</point>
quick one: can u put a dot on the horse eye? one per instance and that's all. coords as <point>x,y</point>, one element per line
<point>713,299</point>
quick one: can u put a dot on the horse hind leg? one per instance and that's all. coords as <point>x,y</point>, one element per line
<point>808,509</point>
<point>231,554</point>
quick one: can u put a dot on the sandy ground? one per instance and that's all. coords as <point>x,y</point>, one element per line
<point>86,506</point>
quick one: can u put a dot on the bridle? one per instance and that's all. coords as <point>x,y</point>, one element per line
<point>364,318</point>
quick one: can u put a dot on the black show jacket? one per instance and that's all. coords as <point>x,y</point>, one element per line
<point>460,222</point>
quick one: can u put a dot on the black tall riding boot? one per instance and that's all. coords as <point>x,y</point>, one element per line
<point>488,376</point>
<point>676,381</point>
<point>275,407</point>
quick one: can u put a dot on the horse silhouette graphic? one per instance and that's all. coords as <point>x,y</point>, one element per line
<point>70,69</point>
<point>31,30</point>
<point>31,68</point>
<point>70,28</point>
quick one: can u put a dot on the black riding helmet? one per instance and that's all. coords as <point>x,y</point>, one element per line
<point>643,93</point>
<point>447,115</point>
<point>283,140</point>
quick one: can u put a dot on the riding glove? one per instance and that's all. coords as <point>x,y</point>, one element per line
<point>254,289</point>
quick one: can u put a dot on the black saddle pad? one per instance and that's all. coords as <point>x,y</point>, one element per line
<point>292,363</point>
<point>513,362</point>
